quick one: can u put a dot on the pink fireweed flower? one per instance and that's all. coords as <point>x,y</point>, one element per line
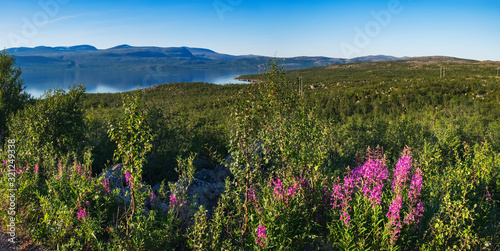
<point>376,194</point>
<point>488,194</point>
<point>394,209</point>
<point>344,216</point>
<point>349,185</point>
<point>4,163</point>
<point>284,193</point>
<point>393,215</point>
<point>82,214</point>
<point>251,194</point>
<point>416,185</point>
<point>292,191</point>
<point>371,176</point>
<point>35,169</point>
<point>420,209</point>
<point>278,186</point>
<point>396,231</point>
<point>415,214</point>
<point>341,196</point>
<point>409,218</point>
<point>402,171</point>
<point>261,234</point>
<point>173,200</point>
<point>128,177</point>
<point>153,197</point>
<point>337,195</point>
<point>107,188</point>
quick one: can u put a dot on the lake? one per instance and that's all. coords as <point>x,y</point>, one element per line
<point>96,81</point>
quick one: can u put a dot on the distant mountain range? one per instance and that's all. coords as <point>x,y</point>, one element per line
<point>126,57</point>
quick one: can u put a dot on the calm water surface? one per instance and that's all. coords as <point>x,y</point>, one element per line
<point>117,81</point>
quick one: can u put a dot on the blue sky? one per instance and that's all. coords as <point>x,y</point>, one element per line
<point>345,29</point>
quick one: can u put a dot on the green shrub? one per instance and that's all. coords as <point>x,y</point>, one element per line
<point>50,128</point>
<point>12,94</point>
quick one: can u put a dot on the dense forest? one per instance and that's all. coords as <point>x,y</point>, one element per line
<point>400,154</point>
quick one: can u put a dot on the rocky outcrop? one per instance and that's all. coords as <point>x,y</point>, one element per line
<point>114,176</point>
<point>202,193</point>
<point>219,174</point>
<point>204,189</point>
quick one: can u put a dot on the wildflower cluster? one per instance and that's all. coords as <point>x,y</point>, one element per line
<point>261,235</point>
<point>82,214</point>
<point>128,177</point>
<point>366,183</point>
<point>175,202</point>
<point>341,196</point>
<point>251,194</point>
<point>417,207</point>
<point>106,187</point>
<point>401,172</point>
<point>284,194</point>
<point>368,178</point>
<point>401,177</point>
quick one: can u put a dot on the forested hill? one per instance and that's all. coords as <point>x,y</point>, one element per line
<point>413,84</point>
<point>416,67</point>
<point>126,57</point>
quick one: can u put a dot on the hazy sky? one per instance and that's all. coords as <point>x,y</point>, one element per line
<point>346,29</point>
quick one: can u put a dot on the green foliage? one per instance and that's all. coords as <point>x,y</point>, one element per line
<point>186,117</point>
<point>464,212</point>
<point>12,94</point>
<point>133,139</point>
<point>50,128</point>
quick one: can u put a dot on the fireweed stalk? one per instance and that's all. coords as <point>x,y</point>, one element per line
<point>402,173</point>
<point>341,196</point>
<point>281,193</point>
<point>366,183</point>
<point>369,178</point>
<point>417,207</point>
<point>81,214</point>
<point>106,187</point>
<point>261,235</point>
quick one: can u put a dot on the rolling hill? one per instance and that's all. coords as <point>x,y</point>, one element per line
<point>126,57</point>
